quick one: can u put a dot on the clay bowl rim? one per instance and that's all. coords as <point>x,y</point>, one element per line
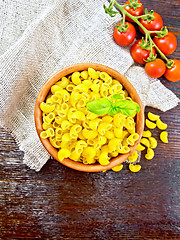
<point>80,67</point>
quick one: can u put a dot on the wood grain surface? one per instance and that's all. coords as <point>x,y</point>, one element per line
<point>61,203</point>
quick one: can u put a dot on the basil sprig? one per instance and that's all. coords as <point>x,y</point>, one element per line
<point>104,106</point>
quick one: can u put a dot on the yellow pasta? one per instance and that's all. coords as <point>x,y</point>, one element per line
<point>147,134</point>
<point>109,81</point>
<point>89,134</point>
<point>102,140</point>
<point>153,142</point>
<point>133,157</point>
<point>114,154</point>
<point>117,168</point>
<point>75,155</point>
<point>107,119</point>
<point>152,116</point>
<point>140,147</point>
<point>70,87</point>
<point>66,137</point>
<point>47,108</point>
<point>65,124</point>
<point>49,100</point>
<point>132,138</point>
<point>55,125</point>
<point>104,127</point>
<point>119,120</point>
<point>78,115</point>
<point>76,78</point>
<point>63,83</point>
<point>160,124</point>
<point>104,158</point>
<point>82,135</point>
<point>93,73</point>
<point>118,132</point>
<point>125,149</point>
<point>81,88</point>
<point>109,135</point>
<point>84,74</point>
<point>145,142</point>
<point>56,99</point>
<point>104,92</point>
<point>134,168</point>
<point>46,126</point>
<point>150,124</point>
<point>104,76</point>
<point>62,114</point>
<point>116,88</point>
<point>63,153</point>
<point>89,151</point>
<point>44,134</point>
<point>74,130</point>
<point>55,88</point>
<point>54,142</point>
<point>95,88</point>
<point>164,137</point>
<point>150,154</point>
<point>93,124</point>
<point>113,143</point>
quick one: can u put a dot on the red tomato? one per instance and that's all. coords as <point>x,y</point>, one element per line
<point>125,38</point>
<point>156,68</point>
<point>135,12</point>
<point>139,54</point>
<point>167,44</point>
<point>154,25</point>
<point>173,74</point>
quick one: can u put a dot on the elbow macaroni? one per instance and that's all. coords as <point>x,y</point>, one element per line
<point>82,135</point>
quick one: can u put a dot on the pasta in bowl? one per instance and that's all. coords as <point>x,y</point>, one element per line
<point>85,118</point>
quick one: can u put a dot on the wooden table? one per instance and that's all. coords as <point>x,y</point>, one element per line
<point>60,203</point>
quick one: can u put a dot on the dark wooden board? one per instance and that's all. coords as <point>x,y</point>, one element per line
<point>60,203</point>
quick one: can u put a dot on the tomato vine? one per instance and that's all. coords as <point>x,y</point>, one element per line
<point>145,22</point>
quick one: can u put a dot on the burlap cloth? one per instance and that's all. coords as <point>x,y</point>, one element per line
<point>39,37</point>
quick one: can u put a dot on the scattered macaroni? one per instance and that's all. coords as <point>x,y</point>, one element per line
<point>145,142</point>
<point>150,154</point>
<point>161,125</point>
<point>140,147</point>
<point>153,142</point>
<point>134,168</point>
<point>133,157</point>
<point>164,137</point>
<point>146,134</point>
<point>150,124</point>
<point>152,116</point>
<point>82,135</point>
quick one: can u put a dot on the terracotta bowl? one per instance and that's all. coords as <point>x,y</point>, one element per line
<point>80,67</point>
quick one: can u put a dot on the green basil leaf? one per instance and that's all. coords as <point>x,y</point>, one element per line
<point>113,111</point>
<point>116,96</point>
<point>126,107</point>
<point>99,106</point>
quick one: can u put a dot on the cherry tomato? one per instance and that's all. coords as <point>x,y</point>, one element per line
<point>135,12</point>
<point>125,38</point>
<point>154,25</point>
<point>167,44</point>
<point>173,74</point>
<point>156,68</point>
<point>139,54</point>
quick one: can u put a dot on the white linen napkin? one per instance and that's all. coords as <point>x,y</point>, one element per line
<point>44,36</point>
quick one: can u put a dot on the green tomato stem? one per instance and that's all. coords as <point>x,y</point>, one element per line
<point>140,16</point>
<point>124,16</point>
